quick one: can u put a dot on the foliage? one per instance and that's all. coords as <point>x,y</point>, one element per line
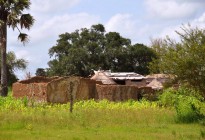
<point>183,59</point>
<point>79,52</point>
<point>11,15</point>
<point>187,102</point>
<point>40,72</point>
<point>14,64</point>
<point>92,120</point>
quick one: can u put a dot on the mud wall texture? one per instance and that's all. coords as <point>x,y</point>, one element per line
<point>140,83</point>
<point>34,88</point>
<point>121,92</point>
<point>60,90</point>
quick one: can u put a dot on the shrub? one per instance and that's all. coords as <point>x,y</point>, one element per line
<point>186,101</point>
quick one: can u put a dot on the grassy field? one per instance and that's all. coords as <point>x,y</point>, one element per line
<point>20,119</point>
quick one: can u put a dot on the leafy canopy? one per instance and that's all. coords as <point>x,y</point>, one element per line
<point>79,52</point>
<point>185,59</point>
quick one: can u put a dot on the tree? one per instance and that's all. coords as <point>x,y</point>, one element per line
<point>139,57</point>
<point>79,52</point>
<point>11,15</point>
<point>185,59</point>
<point>12,65</point>
<point>40,72</point>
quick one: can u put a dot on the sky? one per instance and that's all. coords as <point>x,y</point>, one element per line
<point>138,20</point>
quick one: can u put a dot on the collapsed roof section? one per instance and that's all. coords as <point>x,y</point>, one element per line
<point>107,77</point>
<point>101,76</point>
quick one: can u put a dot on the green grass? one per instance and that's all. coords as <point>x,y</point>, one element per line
<point>93,120</point>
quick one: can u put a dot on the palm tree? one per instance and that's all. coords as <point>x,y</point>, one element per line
<point>11,15</point>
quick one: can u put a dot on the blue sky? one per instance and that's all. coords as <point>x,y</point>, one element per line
<point>138,20</point>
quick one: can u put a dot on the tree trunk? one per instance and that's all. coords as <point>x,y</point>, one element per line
<point>3,43</point>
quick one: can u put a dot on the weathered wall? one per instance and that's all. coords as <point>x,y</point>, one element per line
<point>32,88</point>
<point>121,92</point>
<point>140,83</point>
<point>59,91</point>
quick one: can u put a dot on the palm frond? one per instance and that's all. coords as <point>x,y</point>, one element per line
<point>1,22</point>
<point>12,20</point>
<point>20,5</point>
<point>26,21</point>
<point>23,38</point>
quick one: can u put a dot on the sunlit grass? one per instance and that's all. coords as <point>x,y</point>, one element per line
<point>92,120</point>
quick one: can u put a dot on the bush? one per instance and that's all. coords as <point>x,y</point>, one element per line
<point>186,101</point>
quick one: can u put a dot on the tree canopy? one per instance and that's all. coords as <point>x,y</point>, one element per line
<point>184,59</point>
<point>79,52</point>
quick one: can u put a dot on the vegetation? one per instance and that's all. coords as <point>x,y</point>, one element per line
<point>11,14</point>
<point>188,103</point>
<point>183,59</point>
<point>27,119</point>
<point>14,64</point>
<point>40,72</point>
<point>79,52</point>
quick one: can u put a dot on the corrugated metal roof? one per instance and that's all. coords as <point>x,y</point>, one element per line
<point>106,75</point>
<point>125,76</point>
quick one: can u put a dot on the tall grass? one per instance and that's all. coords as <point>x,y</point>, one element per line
<point>19,119</point>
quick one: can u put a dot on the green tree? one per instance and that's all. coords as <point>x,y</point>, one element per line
<point>40,72</point>
<point>185,59</point>
<point>79,52</point>
<point>12,65</point>
<point>11,14</point>
<point>116,52</point>
<point>139,58</point>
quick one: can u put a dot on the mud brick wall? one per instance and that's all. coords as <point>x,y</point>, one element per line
<point>59,91</point>
<point>117,92</point>
<point>121,92</point>
<point>34,88</point>
<point>141,83</point>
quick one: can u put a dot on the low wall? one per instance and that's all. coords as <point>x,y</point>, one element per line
<point>35,88</point>
<point>121,92</point>
<point>60,90</point>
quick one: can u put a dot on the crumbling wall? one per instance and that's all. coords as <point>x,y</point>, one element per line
<point>60,90</point>
<point>117,92</point>
<point>138,83</point>
<point>121,92</point>
<point>34,88</point>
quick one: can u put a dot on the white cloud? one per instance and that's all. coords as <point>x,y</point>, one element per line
<point>128,27</point>
<point>44,35</point>
<point>52,6</point>
<point>121,22</point>
<point>171,30</point>
<point>199,22</point>
<point>22,54</point>
<point>61,24</point>
<point>172,9</point>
